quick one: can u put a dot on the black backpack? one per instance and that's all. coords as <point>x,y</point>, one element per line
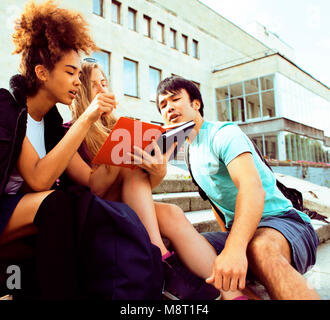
<point>90,248</point>
<point>292,194</point>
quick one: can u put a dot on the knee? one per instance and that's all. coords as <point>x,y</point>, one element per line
<point>262,249</point>
<point>265,255</point>
<point>170,217</point>
<point>176,214</point>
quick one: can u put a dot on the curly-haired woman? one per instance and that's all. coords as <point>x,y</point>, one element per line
<point>33,153</point>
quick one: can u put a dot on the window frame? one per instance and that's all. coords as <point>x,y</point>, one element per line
<point>153,99</point>
<point>147,19</point>
<point>101,7</point>
<point>134,12</point>
<point>173,34</point>
<point>136,78</point>
<point>195,48</point>
<point>184,39</point>
<point>161,32</point>
<point>118,5</point>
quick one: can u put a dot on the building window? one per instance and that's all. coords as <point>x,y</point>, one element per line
<point>173,38</point>
<point>131,19</point>
<point>251,86</point>
<point>184,44</point>
<point>247,100</point>
<point>267,82</point>
<point>147,26</point>
<point>154,79</point>
<point>103,60</point>
<point>252,104</point>
<point>195,49</point>
<point>115,11</point>
<point>130,78</point>
<point>98,7</point>
<point>268,104</point>
<point>223,104</point>
<point>267,145</point>
<point>302,148</point>
<point>259,141</point>
<point>160,32</point>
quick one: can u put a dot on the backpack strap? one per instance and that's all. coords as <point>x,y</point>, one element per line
<point>292,194</point>
<point>218,214</point>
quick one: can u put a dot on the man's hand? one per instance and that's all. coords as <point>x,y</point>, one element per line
<point>229,270</point>
<point>155,165</point>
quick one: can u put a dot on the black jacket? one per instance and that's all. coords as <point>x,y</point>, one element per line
<point>13,115</point>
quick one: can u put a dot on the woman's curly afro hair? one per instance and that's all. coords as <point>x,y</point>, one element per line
<point>43,33</point>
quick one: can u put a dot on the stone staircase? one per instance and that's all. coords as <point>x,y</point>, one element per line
<point>182,192</point>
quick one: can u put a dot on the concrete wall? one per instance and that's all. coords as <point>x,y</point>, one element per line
<point>319,176</point>
<point>221,45</point>
<point>219,42</point>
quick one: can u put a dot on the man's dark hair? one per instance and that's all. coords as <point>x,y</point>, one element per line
<point>174,84</point>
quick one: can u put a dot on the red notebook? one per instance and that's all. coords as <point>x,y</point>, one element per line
<point>129,132</point>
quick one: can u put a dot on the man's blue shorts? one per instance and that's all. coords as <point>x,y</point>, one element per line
<point>301,236</point>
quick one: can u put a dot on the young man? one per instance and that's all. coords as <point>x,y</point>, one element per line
<point>265,233</point>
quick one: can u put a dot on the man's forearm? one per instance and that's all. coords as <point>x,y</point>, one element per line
<point>248,212</point>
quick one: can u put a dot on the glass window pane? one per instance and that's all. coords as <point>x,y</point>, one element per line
<point>146,26</point>
<point>195,49</point>
<point>258,142</point>
<point>267,82</point>
<point>184,44</point>
<point>154,79</point>
<point>160,32</point>
<point>131,19</point>
<point>97,7</point>
<point>130,78</point>
<point>252,106</point>
<point>173,38</point>
<point>115,11</point>
<point>223,110</point>
<point>271,147</point>
<point>103,59</point>
<point>236,90</point>
<point>251,86</point>
<point>237,109</point>
<point>268,104</point>
<point>221,93</point>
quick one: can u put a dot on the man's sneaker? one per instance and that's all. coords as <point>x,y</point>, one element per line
<point>182,284</point>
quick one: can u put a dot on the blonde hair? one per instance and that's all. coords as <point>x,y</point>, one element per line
<point>100,129</point>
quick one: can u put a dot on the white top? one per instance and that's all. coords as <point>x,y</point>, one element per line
<point>35,132</point>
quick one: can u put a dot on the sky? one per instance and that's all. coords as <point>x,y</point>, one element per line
<point>303,24</point>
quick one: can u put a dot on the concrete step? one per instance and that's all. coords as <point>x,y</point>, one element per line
<point>187,201</point>
<point>204,221</point>
<point>176,185</point>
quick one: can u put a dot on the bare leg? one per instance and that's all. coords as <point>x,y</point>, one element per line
<point>20,223</point>
<point>136,192</point>
<point>269,256</point>
<point>193,249</point>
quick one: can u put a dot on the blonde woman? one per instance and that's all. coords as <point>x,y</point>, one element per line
<point>134,187</point>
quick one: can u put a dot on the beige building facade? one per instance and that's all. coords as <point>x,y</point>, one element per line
<point>240,77</point>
